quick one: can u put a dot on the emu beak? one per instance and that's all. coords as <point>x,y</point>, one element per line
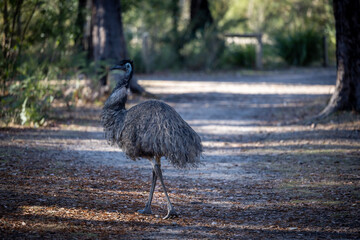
<point>117,67</point>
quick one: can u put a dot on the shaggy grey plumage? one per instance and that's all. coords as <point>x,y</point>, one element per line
<point>149,130</point>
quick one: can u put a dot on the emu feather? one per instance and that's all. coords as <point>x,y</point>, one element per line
<point>150,130</point>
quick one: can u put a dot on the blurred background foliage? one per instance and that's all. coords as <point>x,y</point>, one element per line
<point>42,41</point>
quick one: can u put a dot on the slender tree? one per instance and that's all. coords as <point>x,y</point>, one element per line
<point>80,23</point>
<point>199,15</point>
<point>15,26</point>
<point>177,39</point>
<point>347,90</point>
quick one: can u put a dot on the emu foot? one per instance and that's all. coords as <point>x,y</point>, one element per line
<point>171,214</point>
<point>145,211</point>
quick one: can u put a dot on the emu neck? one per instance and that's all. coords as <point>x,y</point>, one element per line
<point>117,99</point>
<point>113,114</point>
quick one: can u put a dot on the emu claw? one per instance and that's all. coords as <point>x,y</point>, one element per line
<point>171,214</point>
<point>145,211</point>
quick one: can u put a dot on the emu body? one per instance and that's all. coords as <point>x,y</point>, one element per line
<point>149,130</point>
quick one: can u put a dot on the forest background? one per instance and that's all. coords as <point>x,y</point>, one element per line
<point>45,44</point>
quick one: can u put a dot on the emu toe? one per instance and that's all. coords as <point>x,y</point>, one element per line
<point>171,214</point>
<point>145,211</point>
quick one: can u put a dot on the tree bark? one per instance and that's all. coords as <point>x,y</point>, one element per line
<point>347,90</point>
<point>107,42</point>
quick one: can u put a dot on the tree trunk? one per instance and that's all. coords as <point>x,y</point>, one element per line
<point>80,24</point>
<point>10,46</point>
<point>176,39</point>
<point>199,15</point>
<point>347,90</point>
<point>107,42</point>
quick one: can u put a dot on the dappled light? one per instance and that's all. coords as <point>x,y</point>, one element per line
<point>247,110</point>
<point>161,87</point>
<point>263,174</point>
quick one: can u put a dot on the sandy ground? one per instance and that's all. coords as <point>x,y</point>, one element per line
<point>266,172</point>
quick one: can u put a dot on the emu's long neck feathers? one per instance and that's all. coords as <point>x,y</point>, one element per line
<point>113,114</point>
<point>117,99</point>
<point>124,81</point>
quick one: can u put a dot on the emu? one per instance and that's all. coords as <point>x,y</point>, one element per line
<point>149,130</point>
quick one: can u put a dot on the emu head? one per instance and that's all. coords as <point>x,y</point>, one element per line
<point>128,67</point>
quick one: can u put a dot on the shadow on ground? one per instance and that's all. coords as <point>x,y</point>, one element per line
<point>266,175</point>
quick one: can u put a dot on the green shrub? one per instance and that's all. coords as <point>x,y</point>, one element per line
<point>166,58</point>
<point>28,100</point>
<point>235,56</point>
<point>136,55</point>
<point>204,51</point>
<point>299,47</point>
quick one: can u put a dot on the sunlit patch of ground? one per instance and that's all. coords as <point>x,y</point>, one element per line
<point>266,173</point>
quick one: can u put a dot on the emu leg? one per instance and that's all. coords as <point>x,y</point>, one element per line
<point>147,209</point>
<point>171,211</point>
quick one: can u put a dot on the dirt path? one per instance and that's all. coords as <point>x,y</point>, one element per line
<point>266,174</point>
